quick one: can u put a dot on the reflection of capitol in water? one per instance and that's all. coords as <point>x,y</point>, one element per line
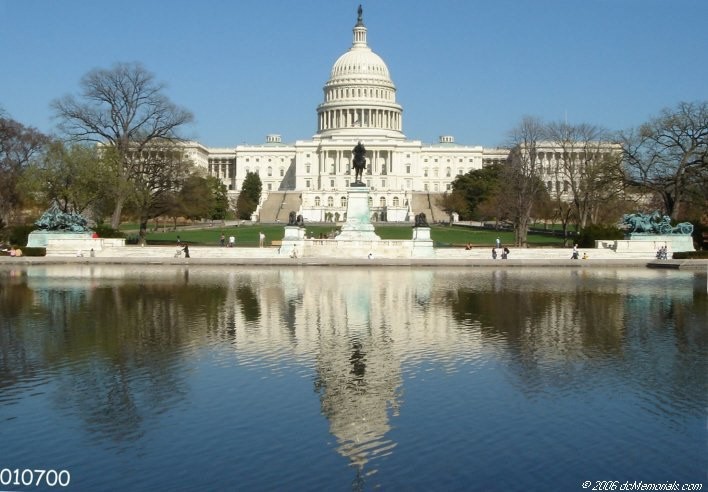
<point>363,330</point>
<point>362,324</point>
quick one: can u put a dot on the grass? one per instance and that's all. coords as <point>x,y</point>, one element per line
<point>247,235</point>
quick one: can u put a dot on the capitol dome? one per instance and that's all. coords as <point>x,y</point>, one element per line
<point>359,97</point>
<point>360,61</point>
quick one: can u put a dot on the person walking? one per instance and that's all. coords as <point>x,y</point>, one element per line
<point>575,252</point>
<point>261,239</point>
<point>186,250</point>
<point>222,240</point>
<point>498,243</point>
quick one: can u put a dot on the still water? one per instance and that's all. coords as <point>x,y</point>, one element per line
<point>175,378</point>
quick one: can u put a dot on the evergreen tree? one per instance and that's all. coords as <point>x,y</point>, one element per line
<point>249,197</point>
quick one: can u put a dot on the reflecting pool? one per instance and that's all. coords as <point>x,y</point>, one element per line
<point>199,378</point>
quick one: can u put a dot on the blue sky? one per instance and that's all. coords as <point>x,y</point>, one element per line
<point>466,68</point>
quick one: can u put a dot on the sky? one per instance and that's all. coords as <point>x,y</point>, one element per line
<point>467,68</point>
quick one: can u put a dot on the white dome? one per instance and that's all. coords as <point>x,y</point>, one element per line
<point>359,97</point>
<point>362,61</point>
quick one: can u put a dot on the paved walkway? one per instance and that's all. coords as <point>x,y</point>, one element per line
<point>477,257</point>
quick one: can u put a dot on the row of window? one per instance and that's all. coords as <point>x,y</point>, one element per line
<point>343,201</point>
<point>345,93</point>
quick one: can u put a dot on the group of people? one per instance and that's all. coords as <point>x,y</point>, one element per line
<point>12,251</point>
<point>232,241</point>
<point>576,254</point>
<point>504,251</point>
<point>662,253</point>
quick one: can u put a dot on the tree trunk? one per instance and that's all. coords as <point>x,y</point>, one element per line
<point>143,229</point>
<point>117,212</point>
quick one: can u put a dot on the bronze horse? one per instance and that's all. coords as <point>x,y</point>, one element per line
<point>359,161</point>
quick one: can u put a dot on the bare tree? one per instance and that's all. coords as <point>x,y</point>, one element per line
<point>669,154</point>
<point>521,183</point>
<point>18,146</point>
<point>588,167</point>
<point>126,110</point>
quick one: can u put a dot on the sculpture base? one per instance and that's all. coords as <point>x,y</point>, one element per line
<point>293,241</point>
<point>649,243</point>
<point>59,243</point>
<point>422,244</point>
<point>358,225</point>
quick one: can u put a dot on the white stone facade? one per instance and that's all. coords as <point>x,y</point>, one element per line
<point>359,105</point>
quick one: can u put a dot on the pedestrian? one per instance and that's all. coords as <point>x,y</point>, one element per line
<point>186,250</point>
<point>179,241</point>
<point>505,253</point>
<point>498,243</point>
<point>575,252</point>
<point>494,253</point>
<point>222,240</point>
<point>232,241</point>
<point>261,239</point>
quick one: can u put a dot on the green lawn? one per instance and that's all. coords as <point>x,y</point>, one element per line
<point>247,235</point>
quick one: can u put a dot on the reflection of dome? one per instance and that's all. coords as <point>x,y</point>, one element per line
<point>360,98</point>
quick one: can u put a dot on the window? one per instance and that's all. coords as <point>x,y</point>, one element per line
<point>395,201</point>
<point>408,168</point>
<point>343,201</point>
<point>270,171</point>
<point>383,183</point>
<point>425,187</point>
<point>330,201</point>
<point>448,172</point>
<point>307,168</point>
<point>307,184</point>
<point>317,201</point>
<point>331,183</point>
<point>282,172</point>
<point>270,186</point>
<point>425,172</point>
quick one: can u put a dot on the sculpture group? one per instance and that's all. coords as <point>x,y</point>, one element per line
<point>296,220</point>
<point>654,223</point>
<point>56,220</point>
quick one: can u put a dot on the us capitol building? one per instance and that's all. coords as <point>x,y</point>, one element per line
<point>311,177</point>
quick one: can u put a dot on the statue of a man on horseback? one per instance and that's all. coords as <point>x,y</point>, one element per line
<point>359,161</point>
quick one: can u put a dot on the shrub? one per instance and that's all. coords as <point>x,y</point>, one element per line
<point>690,255</point>
<point>592,233</point>
<point>18,234</point>
<point>107,231</point>
<point>34,251</point>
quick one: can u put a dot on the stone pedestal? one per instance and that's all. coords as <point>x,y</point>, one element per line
<point>649,243</point>
<point>58,243</point>
<point>422,244</point>
<point>293,241</point>
<point>358,225</point>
